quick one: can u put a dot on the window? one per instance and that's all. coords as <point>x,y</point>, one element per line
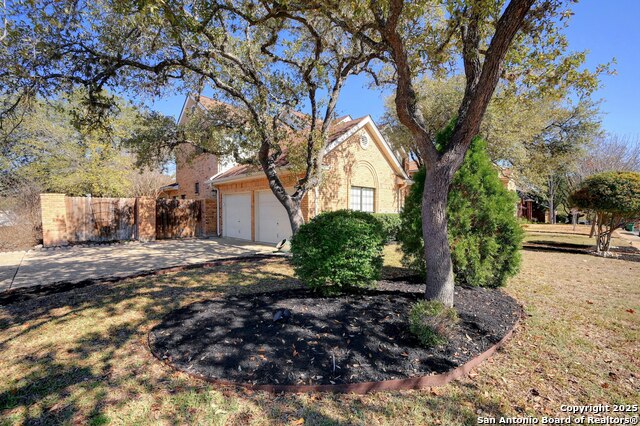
<point>197,189</point>
<point>362,199</point>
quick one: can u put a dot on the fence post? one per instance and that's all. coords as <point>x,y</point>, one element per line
<point>53,212</point>
<point>146,218</point>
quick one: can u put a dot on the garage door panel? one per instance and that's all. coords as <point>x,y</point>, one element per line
<point>237,216</point>
<point>272,221</point>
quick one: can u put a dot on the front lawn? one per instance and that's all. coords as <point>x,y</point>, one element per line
<point>566,235</point>
<point>82,356</point>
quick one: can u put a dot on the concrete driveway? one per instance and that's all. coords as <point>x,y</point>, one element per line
<point>72,264</point>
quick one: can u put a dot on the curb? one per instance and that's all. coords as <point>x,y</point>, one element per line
<point>411,383</point>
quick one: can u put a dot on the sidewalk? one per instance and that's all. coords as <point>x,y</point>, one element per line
<point>73,264</point>
<point>630,236</point>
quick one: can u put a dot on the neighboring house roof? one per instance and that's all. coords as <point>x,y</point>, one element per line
<point>171,186</point>
<point>506,176</point>
<point>342,129</point>
<point>412,167</point>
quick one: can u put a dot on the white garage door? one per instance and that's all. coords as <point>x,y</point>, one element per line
<point>236,216</point>
<point>272,221</point>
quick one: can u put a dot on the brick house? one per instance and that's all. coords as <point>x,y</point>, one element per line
<point>361,172</point>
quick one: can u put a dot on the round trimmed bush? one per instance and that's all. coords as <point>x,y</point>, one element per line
<point>338,250</point>
<point>432,322</point>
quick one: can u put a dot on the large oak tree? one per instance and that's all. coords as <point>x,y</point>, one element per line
<point>518,41</point>
<point>264,62</point>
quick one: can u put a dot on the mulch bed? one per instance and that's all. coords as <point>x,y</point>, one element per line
<point>366,336</point>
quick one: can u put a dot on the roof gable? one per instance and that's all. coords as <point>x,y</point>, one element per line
<point>381,144</point>
<point>342,129</point>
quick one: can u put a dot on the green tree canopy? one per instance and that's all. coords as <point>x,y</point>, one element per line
<point>515,45</point>
<point>614,197</point>
<point>50,150</point>
<point>265,62</point>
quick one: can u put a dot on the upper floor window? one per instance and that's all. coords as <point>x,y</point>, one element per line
<point>362,199</point>
<point>197,188</point>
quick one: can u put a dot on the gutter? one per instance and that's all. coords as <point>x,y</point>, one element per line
<point>235,178</point>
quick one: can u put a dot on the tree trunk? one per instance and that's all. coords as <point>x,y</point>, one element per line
<point>440,283</point>
<point>552,207</point>
<point>296,219</point>
<point>290,203</point>
<point>594,221</point>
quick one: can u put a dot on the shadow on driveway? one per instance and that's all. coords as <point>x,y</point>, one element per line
<point>76,264</point>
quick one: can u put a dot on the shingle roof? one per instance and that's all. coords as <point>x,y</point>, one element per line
<point>243,169</point>
<point>335,132</point>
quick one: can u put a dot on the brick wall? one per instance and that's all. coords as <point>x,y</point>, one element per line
<point>146,220</point>
<point>191,169</point>
<point>54,226</point>
<point>209,217</point>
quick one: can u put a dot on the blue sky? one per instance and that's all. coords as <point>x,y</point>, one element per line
<point>607,29</point>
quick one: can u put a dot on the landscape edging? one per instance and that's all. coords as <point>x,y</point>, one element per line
<point>410,383</point>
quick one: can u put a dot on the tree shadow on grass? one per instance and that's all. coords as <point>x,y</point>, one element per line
<point>80,356</point>
<point>64,351</point>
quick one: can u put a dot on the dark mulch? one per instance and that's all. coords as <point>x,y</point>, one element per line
<point>366,335</point>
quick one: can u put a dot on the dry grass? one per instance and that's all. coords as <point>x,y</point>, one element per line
<point>558,228</point>
<point>566,234</point>
<point>579,240</point>
<point>81,357</point>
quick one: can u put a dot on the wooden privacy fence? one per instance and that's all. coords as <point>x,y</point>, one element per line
<point>100,219</point>
<point>74,220</point>
<point>178,218</point>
